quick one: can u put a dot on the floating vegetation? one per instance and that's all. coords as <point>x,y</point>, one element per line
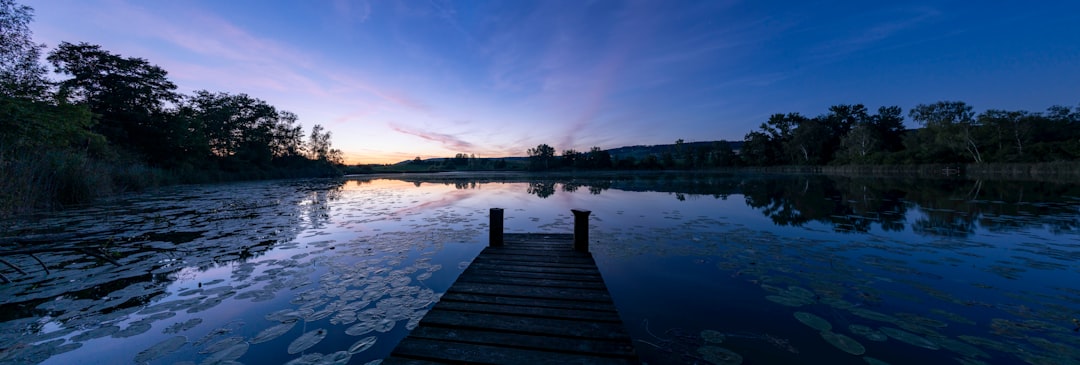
<point>306,340</point>
<point>221,344</point>
<point>799,292</point>
<point>719,355</point>
<point>909,338</point>
<point>273,332</point>
<point>873,315</point>
<point>870,333</point>
<point>813,321</point>
<point>970,361</point>
<point>845,343</point>
<point>183,326</point>
<point>961,348</point>
<point>385,325</point>
<point>160,349</point>
<point>227,354</point>
<point>986,342</point>
<point>953,317</point>
<point>788,301</point>
<point>337,358</point>
<point>920,320</point>
<point>838,303</point>
<point>712,336</point>
<point>96,333</point>
<point>874,361</point>
<point>307,359</point>
<point>361,328</point>
<point>363,344</point>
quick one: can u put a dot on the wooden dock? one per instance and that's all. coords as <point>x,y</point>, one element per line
<point>527,298</point>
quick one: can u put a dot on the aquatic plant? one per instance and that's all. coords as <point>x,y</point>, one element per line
<point>845,343</point>
<point>813,321</point>
<point>719,355</point>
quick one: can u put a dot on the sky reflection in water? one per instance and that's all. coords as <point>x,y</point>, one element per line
<point>957,270</point>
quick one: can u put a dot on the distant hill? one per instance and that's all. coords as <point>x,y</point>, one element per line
<point>637,152</point>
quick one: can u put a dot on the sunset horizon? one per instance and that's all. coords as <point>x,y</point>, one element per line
<point>393,81</point>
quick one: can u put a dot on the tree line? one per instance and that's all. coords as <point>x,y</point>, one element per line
<point>849,134</point>
<point>116,123</point>
<point>948,132</point>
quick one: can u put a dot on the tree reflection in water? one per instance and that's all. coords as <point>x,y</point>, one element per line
<point>948,207</point>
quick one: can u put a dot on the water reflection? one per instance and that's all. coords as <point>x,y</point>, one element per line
<point>700,265</point>
<point>944,207</point>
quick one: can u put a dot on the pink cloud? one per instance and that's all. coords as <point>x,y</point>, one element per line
<point>249,62</point>
<point>451,142</point>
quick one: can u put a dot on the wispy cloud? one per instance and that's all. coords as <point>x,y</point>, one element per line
<point>246,61</point>
<point>868,36</point>
<point>353,11</point>
<point>448,141</point>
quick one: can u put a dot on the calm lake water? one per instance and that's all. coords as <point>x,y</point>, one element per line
<point>703,268</point>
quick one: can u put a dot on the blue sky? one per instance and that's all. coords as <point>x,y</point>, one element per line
<point>397,79</point>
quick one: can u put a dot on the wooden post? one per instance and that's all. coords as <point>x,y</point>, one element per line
<point>496,218</point>
<point>581,230</point>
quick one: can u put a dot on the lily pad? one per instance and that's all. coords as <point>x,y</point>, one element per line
<point>870,333</point>
<point>719,355</point>
<point>813,321</point>
<point>228,354</point>
<point>385,325</point>
<point>909,338</point>
<point>712,336</point>
<point>361,328</point>
<point>273,332</point>
<point>787,300</point>
<point>364,344</point>
<point>160,349</point>
<point>305,341</point>
<point>873,361</point>
<point>845,343</point>
<point>183,326</point>
<point>221,345</point>
<point>337,358</point>
<point>799,292</point>
<point>872,315</point>
<point>961,347</point>
<point>307,359</point>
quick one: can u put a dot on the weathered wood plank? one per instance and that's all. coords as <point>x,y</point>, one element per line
<point>510,256</point>
<point>536,302</point>
<point>531,263</point>
<point>532,237</point>
<point>546,343</point>
<point>533,300</point>
<point>570,284</point>
<point>531,292</point>
<point>534,275</point>
<point>540,269</point>
<point>482,354</point>
<point>557,313</point>
<point>530,325</point>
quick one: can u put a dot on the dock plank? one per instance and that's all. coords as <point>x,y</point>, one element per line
<point>523,324</point>
<point>533,300</point>
<point>455,352</point>
<point>551,283</point>
<point>544,343</point>
<point>585,295</point>
<point>535,311</point>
